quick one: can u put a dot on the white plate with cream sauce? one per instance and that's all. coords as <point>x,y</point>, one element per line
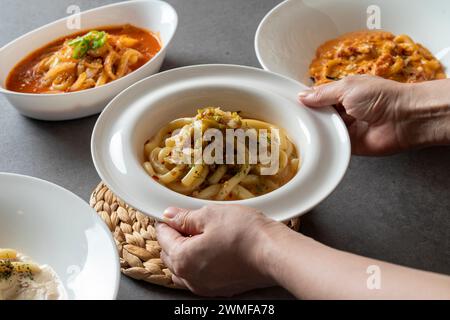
<point>53,227</point>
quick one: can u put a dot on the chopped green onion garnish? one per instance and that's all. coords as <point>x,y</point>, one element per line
<point>92,40</point>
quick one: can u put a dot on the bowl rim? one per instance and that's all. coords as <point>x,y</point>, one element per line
<point>97,128</point>
<point>85,204</point>
<point>258,33</point>
<point>164,47</point>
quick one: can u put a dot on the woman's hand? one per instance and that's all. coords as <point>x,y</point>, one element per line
<point>217,250</point>
<point>224,250</point>
<point>384,116</point>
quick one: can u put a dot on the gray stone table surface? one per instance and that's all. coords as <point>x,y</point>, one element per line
<point>393,208</point>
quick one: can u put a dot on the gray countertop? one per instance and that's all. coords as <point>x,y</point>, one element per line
<point>394,208</point>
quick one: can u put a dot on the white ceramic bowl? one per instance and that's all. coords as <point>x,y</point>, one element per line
<point>154,15</point>
<point>54,227</point>
<point>139,112</point>
<point>288,36</point>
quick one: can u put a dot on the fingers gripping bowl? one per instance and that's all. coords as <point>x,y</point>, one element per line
<point>118,140</point>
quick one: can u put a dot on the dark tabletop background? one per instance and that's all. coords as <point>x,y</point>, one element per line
<point>393,208</point>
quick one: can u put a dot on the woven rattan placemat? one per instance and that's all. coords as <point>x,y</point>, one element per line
<point>135,237</point>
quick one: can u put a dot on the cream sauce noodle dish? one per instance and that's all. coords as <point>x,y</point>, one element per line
<point>23,279</point>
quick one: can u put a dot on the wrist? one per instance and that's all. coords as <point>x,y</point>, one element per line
<point>426,119</point>
<point>276,244</point>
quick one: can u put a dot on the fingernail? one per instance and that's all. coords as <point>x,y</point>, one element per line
<point>171,212</point>
<point>305,94</point>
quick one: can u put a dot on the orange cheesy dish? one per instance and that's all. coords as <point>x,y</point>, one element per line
<point>377,53</point>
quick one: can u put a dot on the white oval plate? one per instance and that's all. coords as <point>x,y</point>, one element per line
<point>53,226</point>
<point>139,112</point>
<point>288,36</point>
<point>157,16</point>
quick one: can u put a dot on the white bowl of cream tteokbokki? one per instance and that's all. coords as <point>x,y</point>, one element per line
<point>65,71</point>
<point>316,42</point>
<point>213,134</point>
<point>52,244</point>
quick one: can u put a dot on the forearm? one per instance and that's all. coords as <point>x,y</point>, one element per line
<point>311,270</point>
<point>428,116</point>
